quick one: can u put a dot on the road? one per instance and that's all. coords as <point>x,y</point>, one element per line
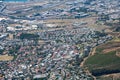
<point>82,63</point>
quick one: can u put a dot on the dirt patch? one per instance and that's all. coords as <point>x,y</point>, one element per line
<point>6,58</point>
<point>110,49</point>
<point>115,76</point>
<point>110,45</point>
<point>118,54</point>
<point>89,20</point>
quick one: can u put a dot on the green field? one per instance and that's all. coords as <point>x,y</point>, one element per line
<point>103,63</point>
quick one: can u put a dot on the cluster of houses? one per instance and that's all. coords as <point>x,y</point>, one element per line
<point>49,60</point>
<point>58,52</point>
<point>106,7</point>
<point>58,57</point>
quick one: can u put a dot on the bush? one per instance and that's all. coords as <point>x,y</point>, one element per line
<point>28,36</point>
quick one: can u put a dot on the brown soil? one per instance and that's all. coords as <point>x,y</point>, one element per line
<point>110,49</point>
<point>6,58</point>
<point>118,54</point>
<point>110,45</point>
<point>113,76</point>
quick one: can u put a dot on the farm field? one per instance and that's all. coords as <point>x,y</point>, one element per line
<point>105,61</point>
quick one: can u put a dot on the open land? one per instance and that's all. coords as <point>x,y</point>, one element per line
<point>105,60</point>
<point>6,58</point>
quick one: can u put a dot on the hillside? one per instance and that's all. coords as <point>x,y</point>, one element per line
<point>106,59</point>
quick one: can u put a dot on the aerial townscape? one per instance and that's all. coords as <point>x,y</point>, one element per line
<point>59,40</point>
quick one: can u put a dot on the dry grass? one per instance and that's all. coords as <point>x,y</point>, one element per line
<point>113,45</point>
<point>118,54</point>
<point>109,45</point>
<point>91,22</point>
<point>6,58</point>
<point>111,49</point>
<point>115,76</point>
